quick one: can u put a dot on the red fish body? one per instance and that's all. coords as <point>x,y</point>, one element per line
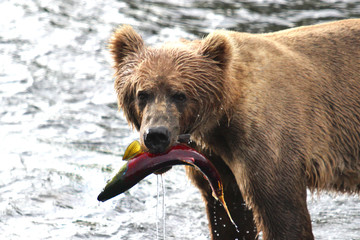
<point>144,163</point>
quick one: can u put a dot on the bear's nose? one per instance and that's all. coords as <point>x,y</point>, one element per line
<point>157,139</point>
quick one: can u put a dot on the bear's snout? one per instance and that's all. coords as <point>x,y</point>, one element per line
<point>157,139</point>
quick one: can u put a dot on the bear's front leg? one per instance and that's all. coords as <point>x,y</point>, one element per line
<point>276,192</point>
<point>219,223</point>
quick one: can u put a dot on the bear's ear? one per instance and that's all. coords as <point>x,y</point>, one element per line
<point>217,47</point>
<point>123,42</point>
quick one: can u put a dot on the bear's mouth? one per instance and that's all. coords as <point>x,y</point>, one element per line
<point>182,138</point>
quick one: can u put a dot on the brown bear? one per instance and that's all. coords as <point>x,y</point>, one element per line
<point>276,113</point>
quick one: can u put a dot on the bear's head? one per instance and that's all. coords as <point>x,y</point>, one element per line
<point>178,88</point>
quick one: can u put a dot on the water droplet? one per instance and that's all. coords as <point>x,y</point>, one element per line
<point>224,225</point>
<point>215,231</point>
<point>220,218</point>
<point>247,232</point>
<point>217,234</point>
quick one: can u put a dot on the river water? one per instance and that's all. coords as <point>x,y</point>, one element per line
<point>61,136</point>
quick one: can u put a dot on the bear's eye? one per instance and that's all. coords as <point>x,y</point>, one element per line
<point>179,97</point>
<point>143,96</point>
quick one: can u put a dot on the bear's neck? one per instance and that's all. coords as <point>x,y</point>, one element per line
<point>223,139</point>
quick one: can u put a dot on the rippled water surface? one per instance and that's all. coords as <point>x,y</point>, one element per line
<point>61,136</point>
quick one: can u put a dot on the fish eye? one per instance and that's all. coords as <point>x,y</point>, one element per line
<point>179,97</point>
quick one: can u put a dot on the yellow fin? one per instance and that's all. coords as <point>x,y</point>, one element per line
<point>222,200</point>
<point>132,150</point>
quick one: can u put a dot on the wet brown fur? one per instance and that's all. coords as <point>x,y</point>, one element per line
<point>277,112</point>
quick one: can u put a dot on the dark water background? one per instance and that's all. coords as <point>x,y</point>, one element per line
<point>61,136</point>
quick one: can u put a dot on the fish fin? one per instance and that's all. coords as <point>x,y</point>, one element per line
<point>132,150</point>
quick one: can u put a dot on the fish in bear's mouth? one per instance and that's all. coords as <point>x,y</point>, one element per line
<point>141,164</point>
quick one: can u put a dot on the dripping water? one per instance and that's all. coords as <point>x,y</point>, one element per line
<point>157,207</point>
<point>163,206</point>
